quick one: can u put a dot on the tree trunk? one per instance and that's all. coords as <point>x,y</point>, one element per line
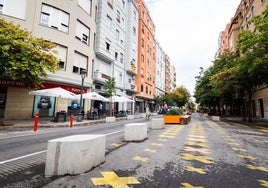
<point>250,106</point>
<point>244,119</point>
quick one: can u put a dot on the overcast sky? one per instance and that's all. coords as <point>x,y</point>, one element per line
<point>188,32</point>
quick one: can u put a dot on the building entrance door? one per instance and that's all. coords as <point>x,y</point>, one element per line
<point>3,95</point>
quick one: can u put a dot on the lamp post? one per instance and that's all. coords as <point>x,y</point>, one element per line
<point>83,75</point>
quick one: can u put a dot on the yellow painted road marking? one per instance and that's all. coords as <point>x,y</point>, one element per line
<point>115,144</point>
<point>190,143</point>
<point>156,144</point>
<point>161,139</point>
<point>246,157</point>
<point>263,183</point>
<point>187,185</point>
<point>165,136</point>
<point>193,169</point>
<point>142,159</point>
<point>233,143</point>
<point>197,136</point>
<point>238,149</point>
<point>200,158</point>
<point>197,139</point>
<point>257,168</point>
<point>110,178</point>
<point>200,150</point>
<point>150,150</point>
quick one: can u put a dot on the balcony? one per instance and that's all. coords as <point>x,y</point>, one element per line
<point>99,77</point>
<point>131,70</point>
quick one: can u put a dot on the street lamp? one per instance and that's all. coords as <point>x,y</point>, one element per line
<point>83,75</point>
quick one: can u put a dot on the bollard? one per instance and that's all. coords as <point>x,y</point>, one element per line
<point>71,120</point>
<point>36,118</point>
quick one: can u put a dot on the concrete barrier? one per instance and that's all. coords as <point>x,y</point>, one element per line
<point>110,119</point>
<point>135,131</point>
<point>74,154</point>
<point>215,118</point>
<point>157,123</point>
<point>130,116</point>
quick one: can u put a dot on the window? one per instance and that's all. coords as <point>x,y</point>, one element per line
<point>55,18</point>
<point>14,8</point>
<point>110,3</point>
<point>116,55</point>
<point>107,46</point>
<point>142,57</point>
<point>134,15</point>
<point>141,88</point>
<point>82,32</point>
<point>121,57</point>
<point>252,12</point>
<point>109,21</point>
<point>142,29</point>
<point>62,56</point>
<point>118,16</point>
<point>1,8</point>
<point>86,5</point>
<point>80,63</point>
<point>117,35</point>
<point>134,31</point>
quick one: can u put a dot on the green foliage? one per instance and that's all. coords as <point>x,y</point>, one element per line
<point>24,57</point>
<point>109,87</point>
<point>181,96</point>
<point>175,111</point>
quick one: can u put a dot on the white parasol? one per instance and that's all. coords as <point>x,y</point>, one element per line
<point>54,92</point>
<point>92,96</point>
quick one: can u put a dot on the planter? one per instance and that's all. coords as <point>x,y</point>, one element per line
<point>175,119</point>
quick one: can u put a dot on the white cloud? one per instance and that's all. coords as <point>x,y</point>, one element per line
<point>188,32</point>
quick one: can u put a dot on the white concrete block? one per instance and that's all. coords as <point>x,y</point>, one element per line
<point>130,116</point>
<point>74,154</point>
<point>216,118</point>
<point>157,123</point>
<point>110,119</point>
<point>135,131</point>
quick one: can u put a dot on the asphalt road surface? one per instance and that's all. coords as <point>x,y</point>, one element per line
<point>203,153</point>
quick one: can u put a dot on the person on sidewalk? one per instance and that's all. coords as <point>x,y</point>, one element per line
<point>147,112</point>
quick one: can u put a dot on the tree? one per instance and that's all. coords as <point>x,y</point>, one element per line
<point>181,96</point>
<point>24,57</point>
<point>109,90</point>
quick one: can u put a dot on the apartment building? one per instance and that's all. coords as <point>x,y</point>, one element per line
<point>160,71</point>
<point>116,46</point>
<point>72,27</point>
<point>167,75</point>
<point>145,78</point>
<point>246,10</point>
<point>173,78</point>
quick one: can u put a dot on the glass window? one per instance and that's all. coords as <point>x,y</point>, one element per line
<point>55,18</point>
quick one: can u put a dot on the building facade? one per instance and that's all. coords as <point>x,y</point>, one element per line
<point>72,27</point>
<point>145,78</point>
<point>116,46</point>
<point>246,10</point>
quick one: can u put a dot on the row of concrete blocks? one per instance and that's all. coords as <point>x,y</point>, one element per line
<point>79,153</point>
<point>214,118</point>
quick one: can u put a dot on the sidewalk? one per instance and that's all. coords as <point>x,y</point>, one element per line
<point>255,121</point>
<point>46,122</point>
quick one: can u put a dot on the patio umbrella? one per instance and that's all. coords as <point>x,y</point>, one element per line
<point>117,99</point>
<point>54,92</point>
<point>127,99</point>
<point>92,96</point>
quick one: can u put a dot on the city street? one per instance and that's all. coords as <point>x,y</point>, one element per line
<point>203,153</point>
